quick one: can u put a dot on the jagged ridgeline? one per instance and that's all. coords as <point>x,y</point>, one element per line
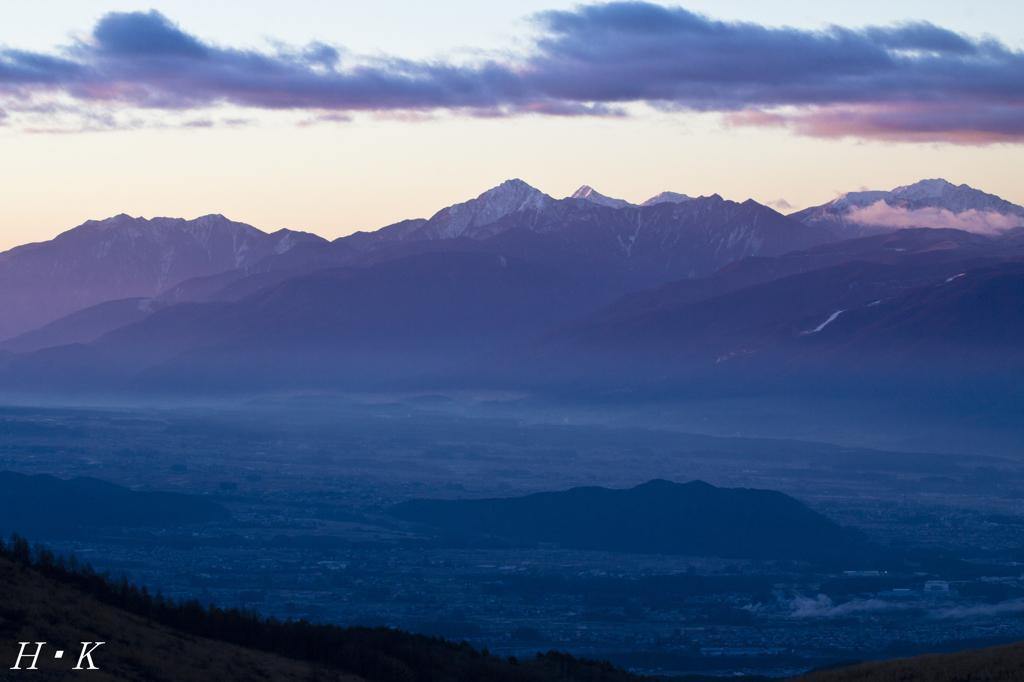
<point>658,517</point>
<point>517,290</point>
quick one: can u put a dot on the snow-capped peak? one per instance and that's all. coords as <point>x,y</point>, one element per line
<point>928,203</point>
<point>588,193</point>
<point>925,189</point>
<point>667,197</point>
<point>507,197</point>
<point>494,204</point>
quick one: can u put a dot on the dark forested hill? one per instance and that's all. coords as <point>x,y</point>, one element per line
<point>46,505</point>
<point>662,517</point>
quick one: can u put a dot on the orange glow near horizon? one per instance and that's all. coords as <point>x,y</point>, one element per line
<point>335,178</point>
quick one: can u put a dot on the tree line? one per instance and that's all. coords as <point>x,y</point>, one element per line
<point>378,654</point>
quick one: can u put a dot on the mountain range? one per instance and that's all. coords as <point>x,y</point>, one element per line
<point>517,289</point>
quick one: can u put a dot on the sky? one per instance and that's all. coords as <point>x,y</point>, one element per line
<point>333,117</point>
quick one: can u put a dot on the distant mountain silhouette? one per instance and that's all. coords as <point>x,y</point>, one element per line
<point>916,313</point>
<point>123,257</point>
<point>335,327</point>
<point>46,506</point>
<point>919,246</point>
<point>84,325</point>
<point>658,517</point>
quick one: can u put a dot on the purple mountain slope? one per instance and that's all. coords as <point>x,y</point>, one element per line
<point>83,326</point>
<point>920,245</point>
<point>854,316</point>
<point>337,328</point>
<point>123,257</point>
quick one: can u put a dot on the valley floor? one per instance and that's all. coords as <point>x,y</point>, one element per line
<point>309,536</point>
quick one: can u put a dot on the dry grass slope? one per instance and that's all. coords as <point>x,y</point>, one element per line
<point>995,664</point>
<point>37,610</point>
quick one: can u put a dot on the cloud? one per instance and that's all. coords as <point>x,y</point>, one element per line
<point>908,82</point>
<point>823,607</point>
<point>781,205</point>
<point>983,222</point>
<point>145,34</point>
<point>980,610</point>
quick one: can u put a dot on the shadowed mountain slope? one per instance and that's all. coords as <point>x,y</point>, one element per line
<point>909,249</point>
<point>336,327</point>
<point>943,319</point>
<point>658,517</point>
<point>356,325</point>
<point>84,325</point>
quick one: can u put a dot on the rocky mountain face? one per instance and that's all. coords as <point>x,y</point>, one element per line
<point>124,257</point>
<point>928,203</point>
<point>628,247</point>
<point>646,246</point>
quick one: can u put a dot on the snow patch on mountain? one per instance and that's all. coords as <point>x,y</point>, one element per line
<point>667,197</point>
<point>824,324</point>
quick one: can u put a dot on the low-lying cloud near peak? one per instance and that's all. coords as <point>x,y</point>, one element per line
<point>913,82</point>
<point>897,217</point>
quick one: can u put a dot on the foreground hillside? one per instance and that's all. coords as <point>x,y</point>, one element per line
<point>36,609</point>
<point>995,664</point>
<point>43,599</point>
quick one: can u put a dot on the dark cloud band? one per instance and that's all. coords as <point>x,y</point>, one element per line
<point>910,82</point>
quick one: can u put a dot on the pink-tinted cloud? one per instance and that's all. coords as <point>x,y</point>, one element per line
<point>898,217</point>
<point>910,82</point>
<point>966,124</point>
